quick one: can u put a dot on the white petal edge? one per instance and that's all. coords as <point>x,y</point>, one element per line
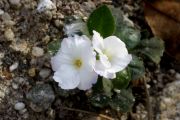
<point>97,42</point>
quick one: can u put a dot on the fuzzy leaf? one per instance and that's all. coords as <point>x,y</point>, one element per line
<point>136,68</point>
<point>107,87</point>
<point>99,100</point>
<point>53,47</point>
<point>152,48</point>
<point>122,79</point>
<point>102,21</point>
<point>123,101</point>
<point>129,35</point>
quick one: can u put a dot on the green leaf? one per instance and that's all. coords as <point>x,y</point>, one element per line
<point>123,101</point>
<point>102,21</point>
<point>107,87</point>
<point>122,79</point>
<point>136,68</point>
<point>129,35</point>
<point>103,86</point>
<point>99,100</point>
<point>152,48</point>
<point>53,47</point>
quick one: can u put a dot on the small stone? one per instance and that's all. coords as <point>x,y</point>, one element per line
<point>44,73</point>
<point>19,80</point>
<point>41,97</point>
<point>48,15</point>
<point>23,111</point>
<point>32,72</point>
<point>1,12</point>
<point>15,2</point>
<point>45,5</point>
<point>13,66</point>
<point>37,51</point>
<point>6,16</point>
<point>15,86</point>
<point>58,23</point>
<point>19,106</point>
<point>177,76</point>
<point>2,55</point>
<point>9,23</point>
<point>25,116</point>
<point>46,39</point>
<point>9,35</point>
<point>172,71</point>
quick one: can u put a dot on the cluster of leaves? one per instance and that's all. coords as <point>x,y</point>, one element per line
<point>116,93</point>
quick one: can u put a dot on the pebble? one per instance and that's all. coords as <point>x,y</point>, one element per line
<point>32,72</point>
<point>15,86</point>
<point>45,5</point>
<point>2,55</point>
<point>9,35</point>
<point>48,15</point>
<point>19,80</point>
<point>58,23</point>
<point>37,51</point>
<point>14,66</point>
<point>6,16</point>
<point>46,39</point>
<point>177,76</point>
<point>9,23</point>
<point>44,73</point>
<point>19,106</point>
<point>23,111</point>
<point>15,2</point>
<point>1,12</point>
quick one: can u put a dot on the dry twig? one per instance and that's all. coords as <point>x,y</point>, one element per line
<point>148,104</point>
<point>87,112</point>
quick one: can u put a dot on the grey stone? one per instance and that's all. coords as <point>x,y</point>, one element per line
<point>14,2</point>
<point>177,76</point>
<point>37,51</point>
<point>41,97</point>
<point>19,106</point>
<point>14,66</point>
<point>1,12</point>
<point>44,73</point>
<point>6,16</point>
<point>9,34</point>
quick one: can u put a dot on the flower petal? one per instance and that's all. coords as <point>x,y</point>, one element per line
<point>87,79</point>
<point>97,42</point>
<point>67,77</point>
<point>59,59</point>
<point>103,71</point>
<point>115,46</point>
<point>117,49</point>
<point>104,60</point>
<point>120,62</point>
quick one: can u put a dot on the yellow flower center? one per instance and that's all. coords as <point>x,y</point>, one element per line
<point>78,63</point>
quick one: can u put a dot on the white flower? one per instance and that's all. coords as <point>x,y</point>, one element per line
<point>113,55</point>
<point>74,63</point>
<point>45,5</point>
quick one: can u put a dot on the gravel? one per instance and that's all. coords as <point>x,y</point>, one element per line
<point>37,51</point>
<point>19,106</point>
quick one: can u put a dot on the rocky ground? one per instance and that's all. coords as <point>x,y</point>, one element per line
<point>27,90</point>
